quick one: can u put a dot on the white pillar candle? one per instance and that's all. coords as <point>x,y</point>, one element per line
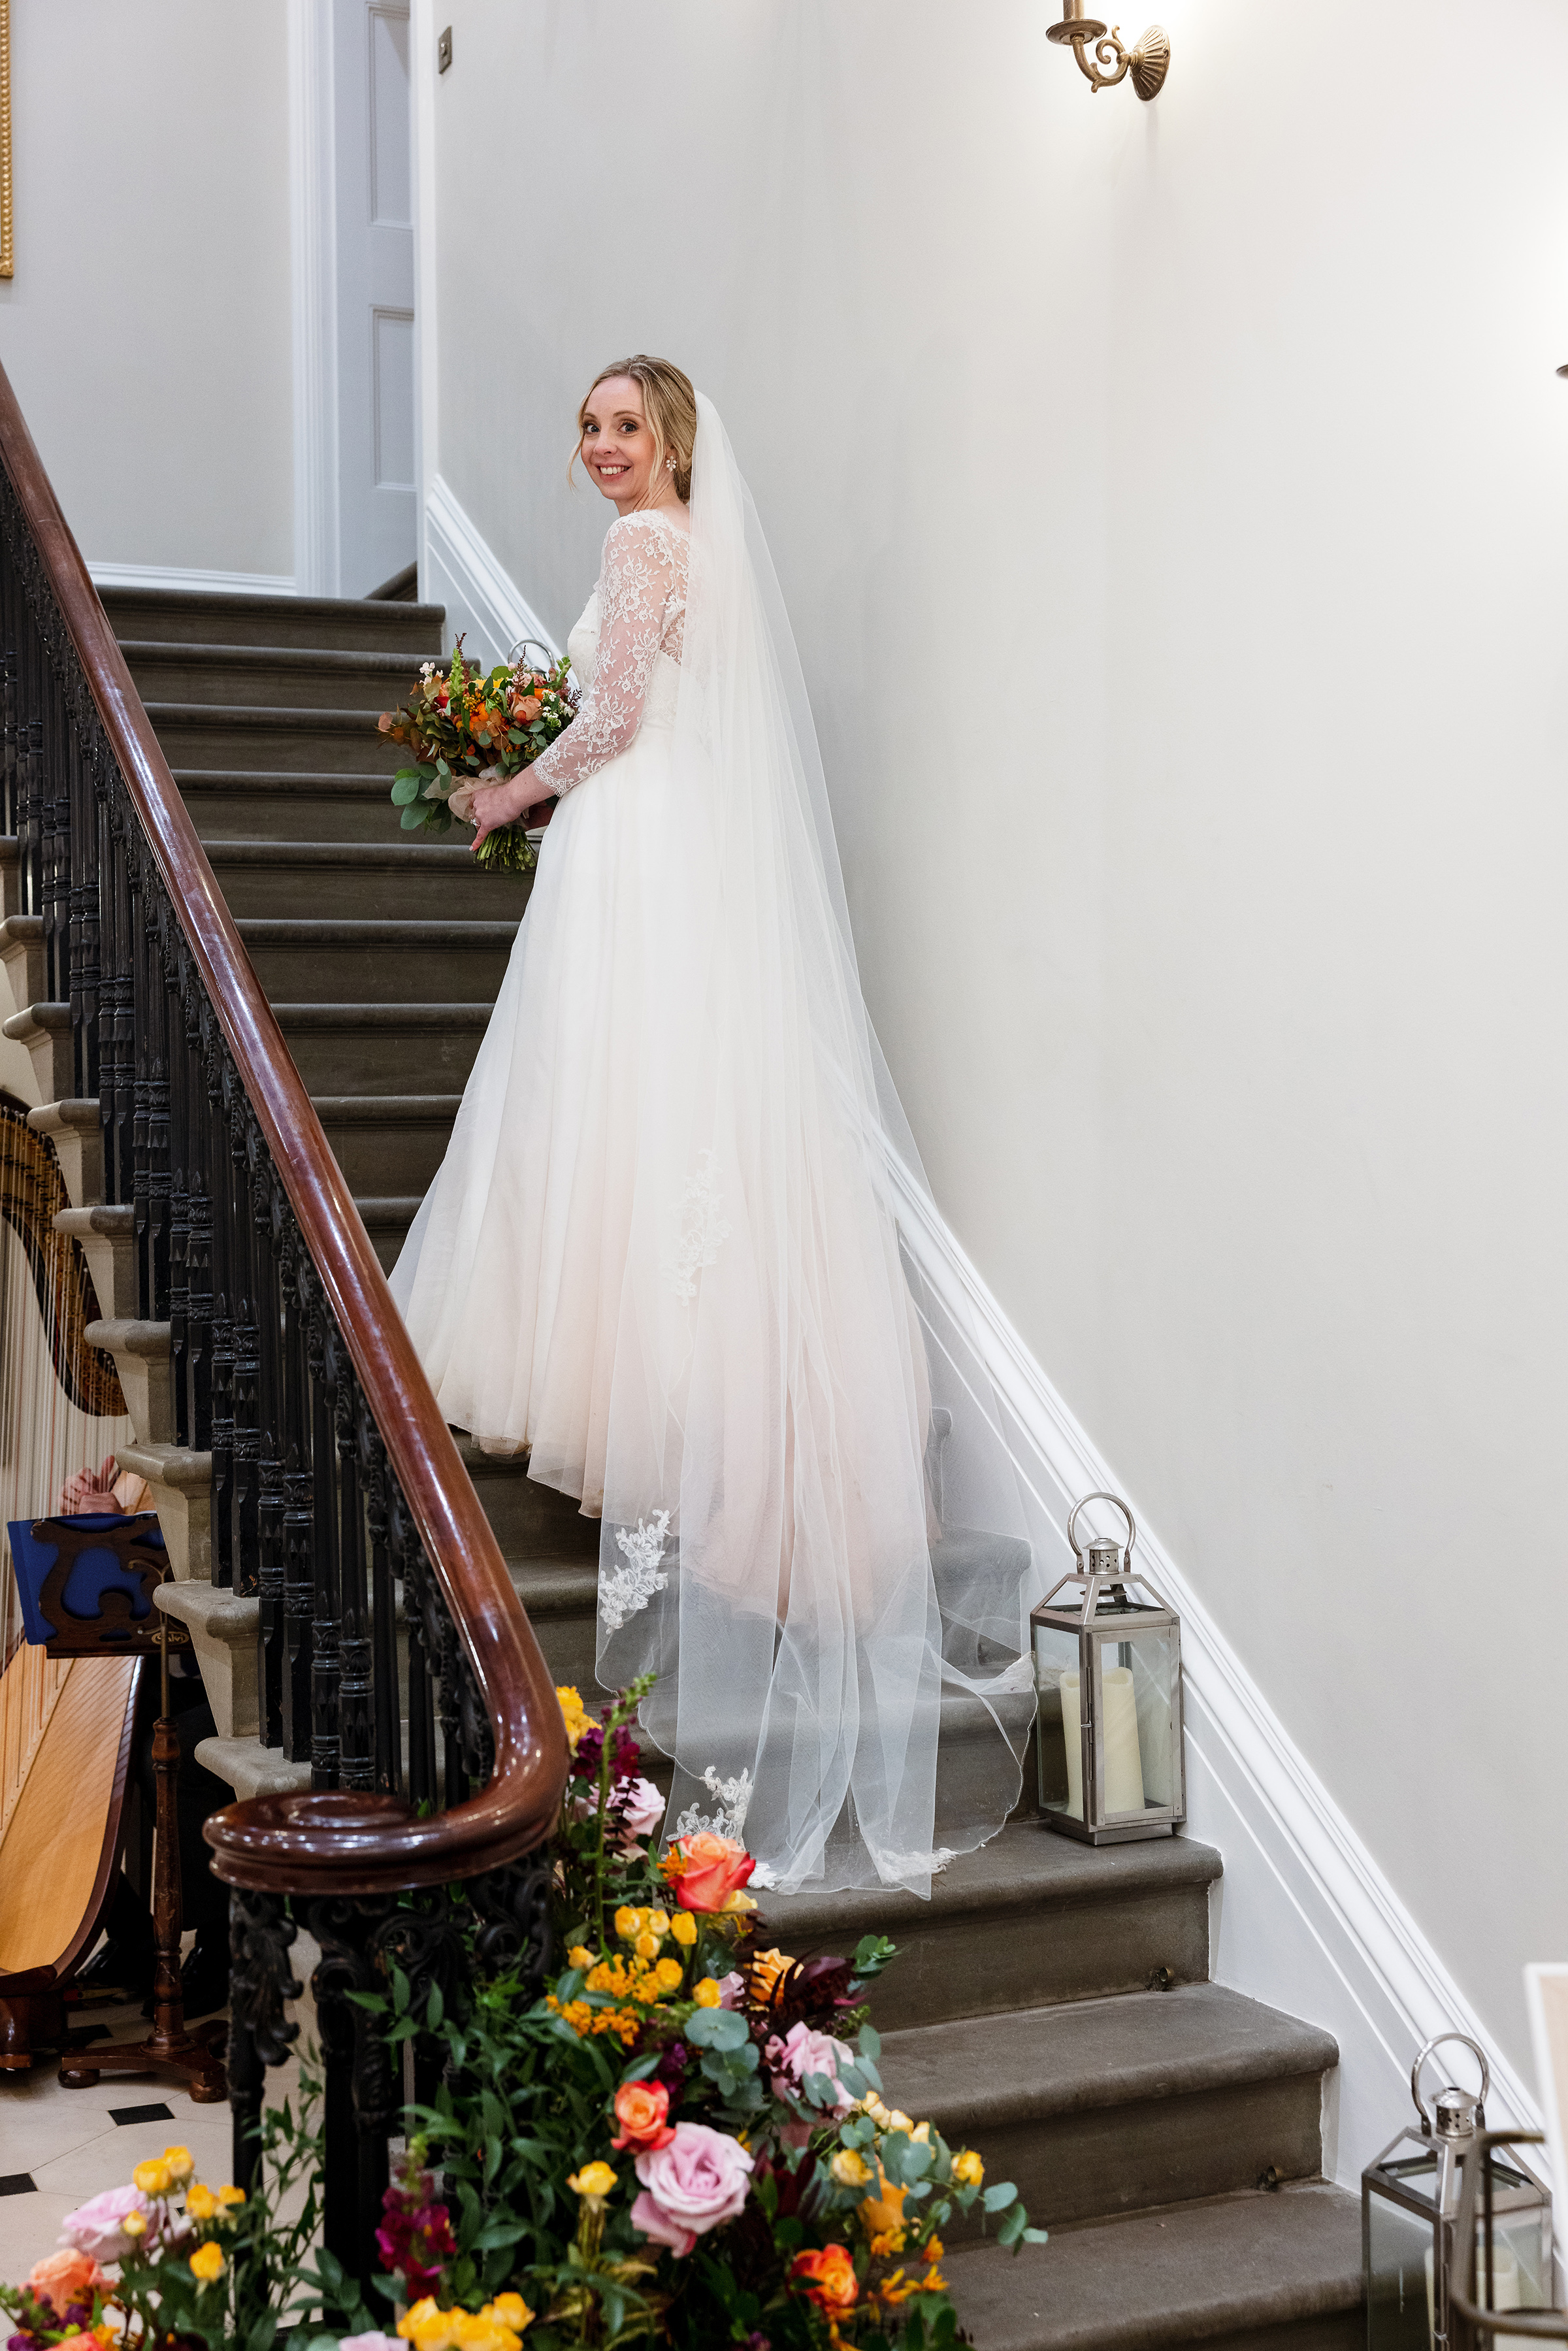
<point>1506,2294</point>
<point>1118,1741</point>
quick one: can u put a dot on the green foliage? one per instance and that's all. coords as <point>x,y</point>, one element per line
<point>464,728</point>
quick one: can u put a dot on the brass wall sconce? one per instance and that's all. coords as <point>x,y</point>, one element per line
<point>1147,64</point>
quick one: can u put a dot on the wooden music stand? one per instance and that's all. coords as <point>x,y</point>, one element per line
<point>168,2047</point>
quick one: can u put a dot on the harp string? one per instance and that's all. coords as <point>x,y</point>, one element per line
<point>61,1410</point>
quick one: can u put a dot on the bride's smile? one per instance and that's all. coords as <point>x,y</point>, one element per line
<point>626,458</point>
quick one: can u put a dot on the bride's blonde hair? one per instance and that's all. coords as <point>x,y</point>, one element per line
<point>670,405</point>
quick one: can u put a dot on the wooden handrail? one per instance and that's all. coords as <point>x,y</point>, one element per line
<point>318,1841</point>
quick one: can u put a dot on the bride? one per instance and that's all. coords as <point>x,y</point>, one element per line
<point>661,1255</point>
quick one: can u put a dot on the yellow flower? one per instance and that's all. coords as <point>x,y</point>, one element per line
<point>424,2319</point>
<point>967,2170</point>
<point>738,1903</point>
<point>628,1923</point>
<point>668,1974</point>
<point>659,1923</point>
<point>580,1956</point>
<point>708,1993</point>
<point>646,1947</point>
<point>933,2250</point>
<point>154,2176</point>
<point>208,2262</point>
<point>897,2121</point>
<point>133,2223</point>
<point>594,2183</point>
<point>511,2310</point>
<point>850,2167</point>
<point>574,1714</point>
<point>181,2162</point>
<point>921,2134</point>
<point>200,2202</point>
<point>231,2196</point>
<point>874,2106</point>
<point>684,1927</point>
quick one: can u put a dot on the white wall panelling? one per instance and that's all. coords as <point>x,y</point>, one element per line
<point>313,248</point>
<point>163,575</point>
<point>483,602</point>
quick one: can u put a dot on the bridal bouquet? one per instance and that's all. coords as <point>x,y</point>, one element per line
<point>464,728</point>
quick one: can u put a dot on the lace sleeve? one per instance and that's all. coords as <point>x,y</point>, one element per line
<point>637,580</point>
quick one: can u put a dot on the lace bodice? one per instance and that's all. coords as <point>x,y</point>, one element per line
<point>626,649</point>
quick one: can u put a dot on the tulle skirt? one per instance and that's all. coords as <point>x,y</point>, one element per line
<point>511,1277</point>
<point>659,1256</point>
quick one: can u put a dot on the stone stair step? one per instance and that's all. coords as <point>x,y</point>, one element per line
<point>387,1220</point>
<point>530,1521</point>
<point>1111,2105</point>
<point>1251,2272</point>
<point>304,957</point>
<point>345,878</point>
<point>209,735</point>
<point>388,1144</point>
<point>1055,1919</point>
<point>376,1047</point>
<point>561,1597</point>
<point>294,677</point>
<point>202,617</point>
<point>229,804</point>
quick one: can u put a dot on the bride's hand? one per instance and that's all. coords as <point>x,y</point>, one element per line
<point>491,806</point>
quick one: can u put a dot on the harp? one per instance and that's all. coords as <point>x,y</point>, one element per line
<point>66,1722</point>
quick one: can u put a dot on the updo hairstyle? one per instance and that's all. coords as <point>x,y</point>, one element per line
<point>670,405</point>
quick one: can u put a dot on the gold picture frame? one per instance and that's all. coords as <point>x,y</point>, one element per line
<point>8,254</point>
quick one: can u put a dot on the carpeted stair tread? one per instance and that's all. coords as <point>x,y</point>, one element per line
<point>1032,2065</point>
<point>215,616</point>
<point>1226,2273</point>
<point>291,676</point>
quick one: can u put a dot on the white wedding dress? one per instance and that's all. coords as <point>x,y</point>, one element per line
<point>661,1255</point>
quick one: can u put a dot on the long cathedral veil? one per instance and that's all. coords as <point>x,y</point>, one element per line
<point>794,1422</point>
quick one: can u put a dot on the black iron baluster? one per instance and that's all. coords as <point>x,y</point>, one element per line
<point>246,1444</point>
<point>386,1707</point>
<point>356,1692</point>
<point>299,1584</point>
<point>409,1554</point>
<point>269,1451</point>
<point>321,1341</point>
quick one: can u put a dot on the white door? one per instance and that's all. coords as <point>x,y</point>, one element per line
<point>375,186</point>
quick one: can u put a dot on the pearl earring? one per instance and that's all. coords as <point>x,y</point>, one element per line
<point>669,464</point>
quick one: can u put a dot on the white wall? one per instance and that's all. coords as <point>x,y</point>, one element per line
<point>146,331</point>
<point>1170,500</point>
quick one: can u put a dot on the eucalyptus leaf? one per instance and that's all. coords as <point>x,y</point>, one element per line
<point>716,2028</point>
<point>1002,2192</point>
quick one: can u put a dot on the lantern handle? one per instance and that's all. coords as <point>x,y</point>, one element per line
<point>1083,1505</point>
<point>1476,2052</point>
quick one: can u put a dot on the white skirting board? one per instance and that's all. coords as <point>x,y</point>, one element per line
<point>1304,1919</point>
<point>158,575</point>
<point>484,603</point>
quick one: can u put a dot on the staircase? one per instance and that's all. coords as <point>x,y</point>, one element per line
<point>1053,2004</point>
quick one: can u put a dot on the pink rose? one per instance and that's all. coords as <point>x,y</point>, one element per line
<point>697,2181</point>
<point>94,2229</point>
<point>656,2224</point>
<point>643,1808</point>
<point>802,2052</point>
<point>731,1989</point>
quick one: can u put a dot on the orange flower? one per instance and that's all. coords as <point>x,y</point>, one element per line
<point>765,1973</point>
<point>641,2109</point>
<point>528,708</point>
<point>882,2215</point>
<point>62,2278</point>
<point>706,1870</point>
<point>828,2278</point>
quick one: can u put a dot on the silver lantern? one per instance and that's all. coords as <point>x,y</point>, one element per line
<point>1414,2198</point>
<point>1107,1673</point>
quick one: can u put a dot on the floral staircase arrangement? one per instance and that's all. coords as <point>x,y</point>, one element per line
<point>682,2142</point>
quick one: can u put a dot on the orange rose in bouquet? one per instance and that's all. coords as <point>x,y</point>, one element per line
<point>708,1871</point>
<point>827,2277</point>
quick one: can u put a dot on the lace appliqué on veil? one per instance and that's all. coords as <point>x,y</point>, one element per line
<point>734,1802</point>
<point>627,1589</point>
<point>702,1230</point>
